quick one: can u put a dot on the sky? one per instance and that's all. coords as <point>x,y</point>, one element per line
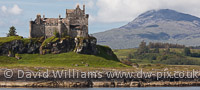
<point>104,14</point>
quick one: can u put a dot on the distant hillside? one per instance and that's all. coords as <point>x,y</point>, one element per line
<point>162,25</point>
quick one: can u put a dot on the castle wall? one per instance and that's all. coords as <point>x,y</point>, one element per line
<point>37,31</point>
<point>65,29</point>
<point>49,30</point>
<point>78,33</point>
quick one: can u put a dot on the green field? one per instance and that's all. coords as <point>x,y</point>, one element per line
<point>70,59</point>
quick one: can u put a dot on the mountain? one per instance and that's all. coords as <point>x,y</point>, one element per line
<point>162,25</point>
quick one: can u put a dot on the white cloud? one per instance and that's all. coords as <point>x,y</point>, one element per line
<point>14,10</point>
<point>126,10</point>
<point>4,9</point>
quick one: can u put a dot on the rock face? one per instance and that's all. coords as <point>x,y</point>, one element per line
<point>162,25</point>
<point>78,45</point>
<point>50,45</point>
<point>86,46</point>
<point>18,46</point>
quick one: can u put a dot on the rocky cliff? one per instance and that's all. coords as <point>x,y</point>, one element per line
<point>67,44</point>
<point>18,45</point>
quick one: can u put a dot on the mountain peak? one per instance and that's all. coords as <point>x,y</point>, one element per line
<point>162,25</point>
<point>160,15</point>
<point>168,14</point>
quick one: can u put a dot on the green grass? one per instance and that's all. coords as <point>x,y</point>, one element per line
<point>25,40</point>
<point>48,40</point>
<point>103,52</point>
<point>9,39</point>
<point>123,53</point>
<point>59,60</point>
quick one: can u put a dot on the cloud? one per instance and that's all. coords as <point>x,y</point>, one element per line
<point>126,10</point>
<point>4,9</point>
<point>14,10</point>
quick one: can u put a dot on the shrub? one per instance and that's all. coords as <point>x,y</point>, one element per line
<point>187,51</point>
<point>56,34</point>
<point>127,62</point>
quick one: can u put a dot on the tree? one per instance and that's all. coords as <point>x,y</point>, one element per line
<point>156,50</point>
<point>167,49</point>
<point>12,32</point>
<point>143,48</point>
<point>130,56</point>
<point>187,51</point>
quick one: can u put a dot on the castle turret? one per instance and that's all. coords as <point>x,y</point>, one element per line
<point>84,9</point>
<point>60,25</point>
<point>38,19</point>
<point>77,6</point>
<point>43,16</point>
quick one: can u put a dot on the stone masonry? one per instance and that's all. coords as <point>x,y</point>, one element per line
<point>75,24</point>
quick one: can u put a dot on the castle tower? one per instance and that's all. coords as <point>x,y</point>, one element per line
<point>60,25</point>
<point>30,28</point>
<point>84,8</point>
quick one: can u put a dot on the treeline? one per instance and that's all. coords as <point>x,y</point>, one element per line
<point>194,47</point>
<point>162,53</point>
<point>164,45</point>
<point>187,52</point>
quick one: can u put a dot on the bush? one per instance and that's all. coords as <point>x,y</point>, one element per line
<point>187,51</point>
<point>195,55</point>
<point>127,62</point>
<point>56,34</point>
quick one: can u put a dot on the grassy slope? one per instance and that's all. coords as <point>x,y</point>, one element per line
<point>59,60</point>
<point>123,53</point>
<point>8,39</point>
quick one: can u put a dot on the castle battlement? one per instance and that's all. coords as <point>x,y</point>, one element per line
<point>75,24</point>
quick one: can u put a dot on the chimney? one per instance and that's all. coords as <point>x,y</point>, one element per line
<point>38,16</point>
<point>77,6</point>
<point>59,16</point>
<point>84,8</point>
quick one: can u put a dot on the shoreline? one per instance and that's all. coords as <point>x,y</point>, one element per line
<point>95,84</point>
<point>35,79</point>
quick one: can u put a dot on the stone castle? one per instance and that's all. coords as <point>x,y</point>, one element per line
<point>75,24</point>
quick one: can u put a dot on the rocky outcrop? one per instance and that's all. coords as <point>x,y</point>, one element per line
<point>86,45</point>
<point>52,45</point>
<point>67,44</point>
<point>20,47</point>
